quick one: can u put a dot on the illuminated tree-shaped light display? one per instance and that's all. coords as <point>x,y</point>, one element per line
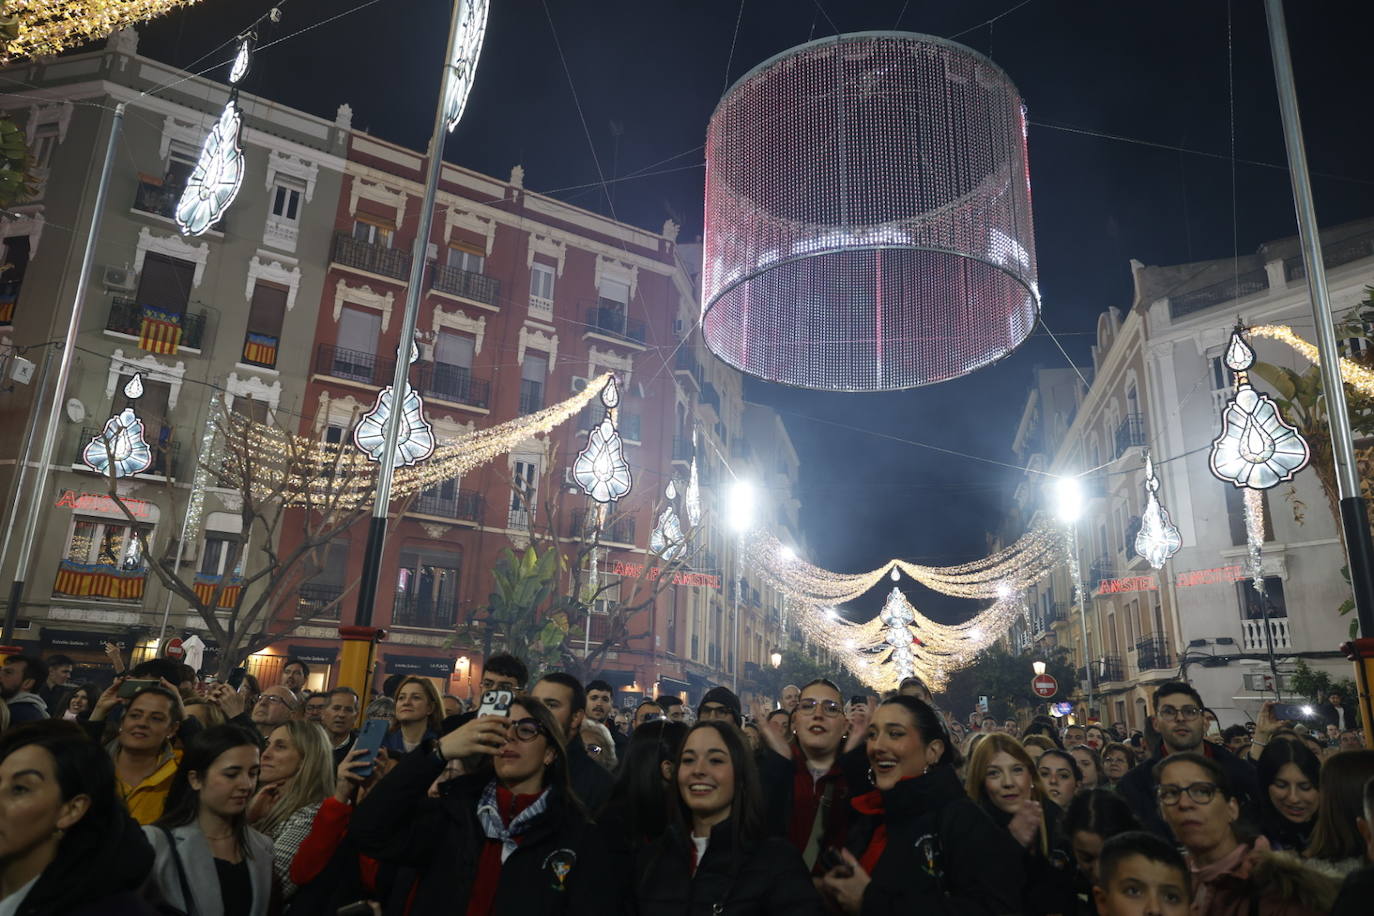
<point>120,448</point>
<point>215,181</point>
<point>463,66</point>
<point>415,439</point>
<point>1256,450</point>
<point>691,502</point>
<point>897,617</point>
<point>667,540</point>
<point>1158,538</point>
<point>600,469</point>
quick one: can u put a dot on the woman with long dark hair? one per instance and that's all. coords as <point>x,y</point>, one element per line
<point>1093,817</point>
<point>509,837</point>
<point>1336,842</point>
<point>715,856</point>
<point>1290,790</point>
<point>918,843</point>
<point>66,843</point>
<point>77,704</point>
<point>209,862</point>
<point>643,794</point>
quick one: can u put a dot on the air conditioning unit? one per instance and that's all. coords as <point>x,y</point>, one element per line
<point>578,384</point>
<point>120,278</point>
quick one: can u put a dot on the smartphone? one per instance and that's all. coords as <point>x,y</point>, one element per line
<point>1294,712</point>
<point>133,686</point>
<point>370,739</point>
<point>235,679</point>
<point>831,860</point>
<point>495,703</point>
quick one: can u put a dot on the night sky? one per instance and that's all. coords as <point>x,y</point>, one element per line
<point>647,74</point>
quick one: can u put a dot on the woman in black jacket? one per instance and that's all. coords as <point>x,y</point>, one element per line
<point>920,845</point>
<point>507,840</point>
<point>715,858</point>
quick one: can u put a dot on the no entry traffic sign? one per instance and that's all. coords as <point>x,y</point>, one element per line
<point>1044,686</point>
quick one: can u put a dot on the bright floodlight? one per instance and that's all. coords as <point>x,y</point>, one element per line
<point>1068,499</point>
<point>739,508</point>
<point>868,215</point>
<point>786,553</point>
<point>1307,710</point>
<point>1038,667</point>
<point>776,659</point>
<point>1004,590</point>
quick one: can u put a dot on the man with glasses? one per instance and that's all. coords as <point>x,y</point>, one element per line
<point>1179,722</point>
<point>720,703</point>
<point>276,706</point>
<point>647,711</point>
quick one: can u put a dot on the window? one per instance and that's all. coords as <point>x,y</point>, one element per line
<point>427,588</point>
<point>464,259</point>
<point>251,408</point>
<point>525,473</point>
<point>1253,605</point>
<point>452,348</point>
<point>1221,376</point>
<point>165,283</point>
<point>613,293</point>
<point>359,330</point>
<point>1235,513</point>
<point>532,373</point>
<point>541,281</point>
<point>286,199</point>
<point>152,408</point>
<point>373,233</point>
<point>216,554</point>
<point>105,543</point>
<point>181,162</point>
<point>45,139</point>
<point>266,312</point>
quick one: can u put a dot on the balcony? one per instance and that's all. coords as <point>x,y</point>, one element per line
<point>1057,613</point>
<point>1130,434</point>
<point>454,384</point>
<point>354,365</point>
<point>682,450</point>
<point>1333,255</point>
<point>99,580</point>
<point>1152,654</point>
<point>128,317</point>
<point>9,294</point>
<point>465,284</point>
<point>709,397</point>
<point>460,505</point>
<point>1107,669</point>
<point>156,197</point>
<point>318,602</point>
<point>374,259</point>
<point>610,323</point>
<point>541,309</point>
<point>1253,639</point>
<point>260,350</point>
<point>686,367</point>
<point>619,531</point>
<point>531,396</point>
<point>1247,284</point>
<point>425,611</point>
<point>1098,570</point>
<point>166,455</point>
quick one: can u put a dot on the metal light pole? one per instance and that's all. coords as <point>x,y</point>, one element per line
<point>29,528</point>
<point>466,25</point>
<point>741,515</point>
<point>1069,507</point>
<point>1354,518</point>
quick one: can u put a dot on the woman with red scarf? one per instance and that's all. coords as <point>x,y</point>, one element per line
<point>918,844</point>
<point>510,839</point>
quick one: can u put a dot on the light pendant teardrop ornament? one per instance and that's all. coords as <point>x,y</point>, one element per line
<point>671,492</point>
<point>240,67</point>
<point>133,389</point>
<point>600,469</point>
<point>1257,448</point>
<point>1158,538</point>
<point>610,394</point>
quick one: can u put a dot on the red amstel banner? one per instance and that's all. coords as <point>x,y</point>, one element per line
<point>681,577</point>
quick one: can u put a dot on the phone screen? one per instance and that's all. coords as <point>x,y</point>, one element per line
<point>370,739</point>
<point>495,703</point>
<point>133,686</point>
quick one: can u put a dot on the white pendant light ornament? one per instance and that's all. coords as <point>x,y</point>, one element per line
<point>1158,538</point>
<point>218,175</point>
<point>691,502</point>
<point>415,439</point>
<point>601,469</point>
<point>120,448</point>
<point>1256,448</point>
<point>467,48</point>
<point>667,539</point>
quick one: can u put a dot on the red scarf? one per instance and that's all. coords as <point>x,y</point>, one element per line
<point>488,877</point>
<point>871,803</point>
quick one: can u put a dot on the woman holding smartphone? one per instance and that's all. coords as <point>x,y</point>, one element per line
<point>715,856</point>
<point>509,837</point>
<point>295,776</point>
<point>208,861</point>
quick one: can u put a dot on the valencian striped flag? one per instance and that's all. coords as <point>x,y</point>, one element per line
<point>260,349</point>
<point>159,331</point>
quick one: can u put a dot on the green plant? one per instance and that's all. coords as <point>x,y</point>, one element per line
<point>16,164</point>
<point>1315,685</point>
<point>516,619</point>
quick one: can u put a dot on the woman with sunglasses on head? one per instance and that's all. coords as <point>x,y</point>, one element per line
<point>809,780</point>
<point>1234,874</point>
<point>918,844</point>
<point>715,856</point>
<point>209,862</point>
<point>509,837</point>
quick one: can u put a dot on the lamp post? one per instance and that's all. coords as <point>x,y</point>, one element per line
<point>776,659</point>
<point>1068,494</point>
<point>739,512</point>
<point>1038,667</point>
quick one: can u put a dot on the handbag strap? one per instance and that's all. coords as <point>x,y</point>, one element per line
<point>181,873</point>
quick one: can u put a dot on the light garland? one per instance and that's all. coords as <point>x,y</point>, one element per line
<point>52,26</point>
<point>218,175</point>
<point>1352,373</point>
<point>1158,538</point>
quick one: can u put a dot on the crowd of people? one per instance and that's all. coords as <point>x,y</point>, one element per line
<point>163,793</point>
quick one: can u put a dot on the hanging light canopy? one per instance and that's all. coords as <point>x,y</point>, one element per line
<point>868,215</point>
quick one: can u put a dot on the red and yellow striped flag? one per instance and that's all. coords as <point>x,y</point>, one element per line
<point>159,331</point>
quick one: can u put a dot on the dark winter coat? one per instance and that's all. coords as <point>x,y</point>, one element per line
<point>1050,877</point>
<point>102,878</point>
<point>590,780</point>
<point>766,878</point>
<point>442,840</point>
<point>944,856</point>
<point>1137,787</point>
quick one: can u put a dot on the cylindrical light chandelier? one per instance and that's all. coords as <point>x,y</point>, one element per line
<point>868,215</point>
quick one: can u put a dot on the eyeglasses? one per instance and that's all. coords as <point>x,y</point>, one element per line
<point>527,729</point>
<point>1200,792</point>
<point>1186,713</point>
<point>829,708</point>
<point>272,698</point>
<point>716,711</point>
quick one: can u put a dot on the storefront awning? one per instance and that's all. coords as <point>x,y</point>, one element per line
<point>617,679</point>
<point>80,640</point>
<point>423,665</point>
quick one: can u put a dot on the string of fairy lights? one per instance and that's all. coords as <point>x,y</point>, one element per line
<point>43,27</point>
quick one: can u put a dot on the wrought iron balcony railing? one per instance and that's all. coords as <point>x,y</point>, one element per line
<point>373,258</point>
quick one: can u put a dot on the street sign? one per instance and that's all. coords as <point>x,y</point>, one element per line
<point>175,649</point>
<point>1044,686</point>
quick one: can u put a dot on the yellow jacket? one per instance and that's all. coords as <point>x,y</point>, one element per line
<point>147,799</point>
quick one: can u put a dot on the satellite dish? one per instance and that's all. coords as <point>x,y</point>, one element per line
<point>76,411</point>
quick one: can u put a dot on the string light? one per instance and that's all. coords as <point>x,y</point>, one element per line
<point>51,26</point>
<point>1352,373</point>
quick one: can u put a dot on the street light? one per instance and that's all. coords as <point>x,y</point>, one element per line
<point>739,514</point>
<point>776,659</point>
<point>1068,499</point>
<point>1038,667</point>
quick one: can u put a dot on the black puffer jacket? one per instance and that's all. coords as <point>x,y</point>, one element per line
<point>442,840</point>
<point>766,878</point>
<point>1050,876</point>
<point>95,874</point>
<point>943,855</point>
